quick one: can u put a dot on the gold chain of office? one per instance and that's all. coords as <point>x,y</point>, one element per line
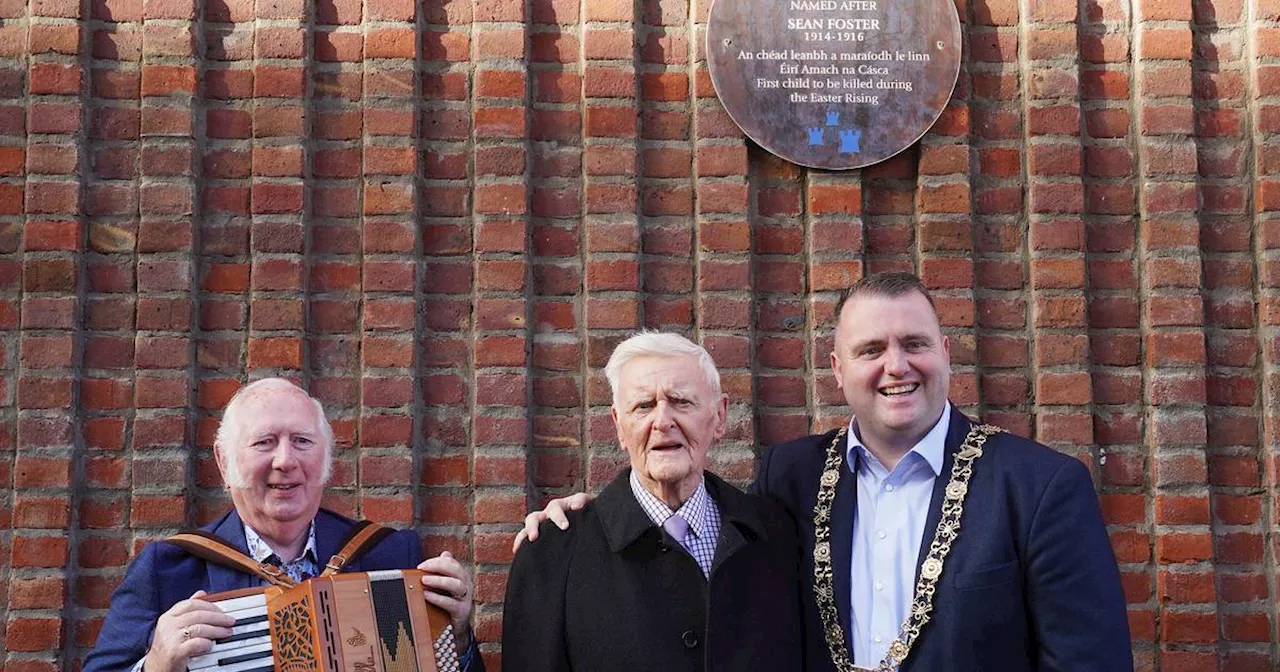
<point>930,569</point>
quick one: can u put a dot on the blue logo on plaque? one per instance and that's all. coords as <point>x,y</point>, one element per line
<point>833,117</point>
<point>815,135</point>
<point>850,140</point>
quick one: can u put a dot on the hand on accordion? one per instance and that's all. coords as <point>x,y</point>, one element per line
<point>186,630</point>
<point>449,587</point>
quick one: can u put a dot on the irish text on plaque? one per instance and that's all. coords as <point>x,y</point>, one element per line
<point>834,83</point>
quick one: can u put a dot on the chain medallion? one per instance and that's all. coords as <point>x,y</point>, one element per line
<point>930,570</point>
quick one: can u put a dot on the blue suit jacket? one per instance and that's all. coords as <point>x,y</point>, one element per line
<point>1030,584</point>
<point>163,575</point>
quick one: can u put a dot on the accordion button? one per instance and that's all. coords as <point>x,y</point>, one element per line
<point>690,639</point>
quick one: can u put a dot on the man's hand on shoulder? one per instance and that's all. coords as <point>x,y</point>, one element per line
<point>555,512</point>
<point>449,587</point>
<point>188,629</point>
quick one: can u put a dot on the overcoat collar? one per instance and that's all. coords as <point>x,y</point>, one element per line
<point>742,523</point>
<point>624,521</point>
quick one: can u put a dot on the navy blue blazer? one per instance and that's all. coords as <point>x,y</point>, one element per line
<point>163,575</point>
<point>1030,584</point>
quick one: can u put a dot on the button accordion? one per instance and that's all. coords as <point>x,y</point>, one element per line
<point>356,622</point>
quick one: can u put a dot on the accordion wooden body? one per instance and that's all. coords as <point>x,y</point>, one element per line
<point>357,622</point>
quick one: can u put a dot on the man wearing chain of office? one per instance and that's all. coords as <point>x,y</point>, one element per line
<point>935,543</point>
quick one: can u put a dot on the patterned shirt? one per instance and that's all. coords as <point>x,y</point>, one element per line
<point>301,568</point>
<point>700,511</point>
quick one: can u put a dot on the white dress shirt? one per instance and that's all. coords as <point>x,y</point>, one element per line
<point>888,527</point>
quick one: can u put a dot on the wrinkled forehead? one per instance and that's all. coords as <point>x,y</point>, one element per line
<point>650,375</point>
<point>275,410</point>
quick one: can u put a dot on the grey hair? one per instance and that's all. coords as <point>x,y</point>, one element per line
<point>226,440</point>
<point>662,344</point>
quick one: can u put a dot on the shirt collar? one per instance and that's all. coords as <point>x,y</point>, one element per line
<point>260,551</point>
<point>932,448</point>
<point>694,510</point>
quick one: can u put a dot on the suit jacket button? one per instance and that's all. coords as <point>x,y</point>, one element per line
<point>690,639</point>
<point>663,547</point>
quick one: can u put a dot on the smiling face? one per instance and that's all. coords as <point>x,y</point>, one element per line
<point>894,366</point>
<point>668,416</point>
<point>274,463</point>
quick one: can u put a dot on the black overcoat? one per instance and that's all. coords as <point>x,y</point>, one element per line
<point>615,592</point>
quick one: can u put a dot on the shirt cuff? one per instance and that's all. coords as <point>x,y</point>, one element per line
<point>137,667</point>
<point>467,661</point>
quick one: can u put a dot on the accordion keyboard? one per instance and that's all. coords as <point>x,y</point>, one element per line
<point>248,649</point>
<point>357,622</point>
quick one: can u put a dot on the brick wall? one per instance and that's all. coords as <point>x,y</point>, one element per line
<point>441,215</point>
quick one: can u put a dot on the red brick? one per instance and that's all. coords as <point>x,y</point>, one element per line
<point>1181,510</point>
<point>167,80</point>
<point>1239,548</point>
<point>1164,10</point>
<point>275,353</point>
<point>1191,627</point>
<point>54,78</point>
<point>610,121</point>
<point>33,634</point>
<point>1183,547</point>
<point>1232,470</point>
<point>609,10</point>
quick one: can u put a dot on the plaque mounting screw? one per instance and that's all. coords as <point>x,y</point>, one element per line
<point>728,42</point>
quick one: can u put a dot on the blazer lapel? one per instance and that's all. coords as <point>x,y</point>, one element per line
<point>329,533</point>
<point>843,510</point>
<point>231,529</point>
<point>956,434</point>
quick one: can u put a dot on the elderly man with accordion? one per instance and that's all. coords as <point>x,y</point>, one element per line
<point>279,583</point>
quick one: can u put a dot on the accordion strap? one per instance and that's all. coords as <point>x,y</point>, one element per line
<point>214,549</point>
<point>363,536</point>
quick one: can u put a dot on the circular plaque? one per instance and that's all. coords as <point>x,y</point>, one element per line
<point>834,83</point>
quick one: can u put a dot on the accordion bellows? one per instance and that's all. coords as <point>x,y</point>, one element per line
<point>357,622</point>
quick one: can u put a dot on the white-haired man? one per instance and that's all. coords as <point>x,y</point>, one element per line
<point>932,542</point>
<point>274,451</point>
<point>670,568</point>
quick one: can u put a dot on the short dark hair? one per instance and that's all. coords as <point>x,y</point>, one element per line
<point>891,284</point>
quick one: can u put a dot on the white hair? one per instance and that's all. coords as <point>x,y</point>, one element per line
<point>661,344</point>
<point>228,437</point>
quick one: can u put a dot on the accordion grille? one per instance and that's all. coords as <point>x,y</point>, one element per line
<point>394,625</point>
<point>294,638</point>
